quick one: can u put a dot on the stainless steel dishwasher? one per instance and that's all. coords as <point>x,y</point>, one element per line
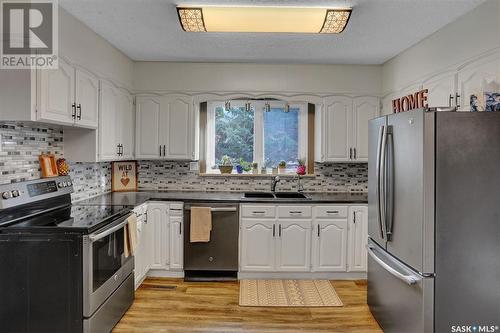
<point>217,259</point>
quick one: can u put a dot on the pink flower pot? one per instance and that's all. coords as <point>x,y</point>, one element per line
<point>301,170</point>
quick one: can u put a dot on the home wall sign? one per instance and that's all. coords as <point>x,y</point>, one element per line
<point>410,102</point>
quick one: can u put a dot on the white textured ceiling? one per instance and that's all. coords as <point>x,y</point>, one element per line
<point>148,30</point>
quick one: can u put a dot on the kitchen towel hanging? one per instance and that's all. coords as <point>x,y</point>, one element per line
<point>201,224</point>
<point>130,236</point>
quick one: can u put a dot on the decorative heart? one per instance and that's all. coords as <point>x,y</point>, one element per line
<point>125,181</point>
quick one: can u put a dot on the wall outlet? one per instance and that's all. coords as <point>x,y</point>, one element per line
<point>194,166</point>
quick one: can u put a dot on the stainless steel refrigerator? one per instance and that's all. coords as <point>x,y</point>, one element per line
<point>434,221</point>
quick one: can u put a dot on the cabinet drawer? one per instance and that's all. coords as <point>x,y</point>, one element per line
<point>330,211</point>
<point>294,211</point>
<point>258,211</point>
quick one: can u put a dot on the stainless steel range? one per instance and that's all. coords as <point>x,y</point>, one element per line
<point>64,265</point>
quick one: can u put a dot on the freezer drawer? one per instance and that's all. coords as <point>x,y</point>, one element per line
<point>399,298</point>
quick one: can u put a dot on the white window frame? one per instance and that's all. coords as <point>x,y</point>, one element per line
<point>258,147</point>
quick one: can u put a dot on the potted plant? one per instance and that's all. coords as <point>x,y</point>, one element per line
<point>226,165</point>
<point>242,166</point>
<point>301,168</point>
<point>282,167</point>
<point>255,168</point>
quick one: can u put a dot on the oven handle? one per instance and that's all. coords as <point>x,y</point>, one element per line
<point>107,232</point>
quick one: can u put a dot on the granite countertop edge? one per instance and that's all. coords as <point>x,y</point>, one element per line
<point>134,199</point>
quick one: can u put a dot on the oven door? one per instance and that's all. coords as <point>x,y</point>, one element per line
<point>104,264</point>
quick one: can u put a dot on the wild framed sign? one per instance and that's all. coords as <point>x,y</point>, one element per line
<point>124,176</point>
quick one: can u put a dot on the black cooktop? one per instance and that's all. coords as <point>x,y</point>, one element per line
<point>68,218</point>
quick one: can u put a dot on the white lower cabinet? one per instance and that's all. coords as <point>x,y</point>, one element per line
<point>330,239</point>
<point>294,245</point>
<point>160,239</point>
<point>329,245</point>
<point>358,238</point>
<point>257,245</point>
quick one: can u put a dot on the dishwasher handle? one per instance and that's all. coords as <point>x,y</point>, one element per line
<point>221,209</point>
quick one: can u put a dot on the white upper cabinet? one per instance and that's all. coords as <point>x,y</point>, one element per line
<point>117,123</point>
<point>147,127</point>
<point>68,96</point>
<point>87,99</point>
<point>338,114</point>
<point>358,238</point>
<point>108,129</point>
<point>294,245</point>
<point>56,95</point>
<point>165,127</point>
<point>475,79</point>
<point>364,109</point>
<point>345,128</point>
<point>441,90</point>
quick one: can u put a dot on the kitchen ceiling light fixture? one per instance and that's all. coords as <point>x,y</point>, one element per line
<point>263,19</point>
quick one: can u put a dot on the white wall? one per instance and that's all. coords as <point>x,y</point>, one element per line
<point>241,77</point>
<point>86,48</point>
<point>474,34</point>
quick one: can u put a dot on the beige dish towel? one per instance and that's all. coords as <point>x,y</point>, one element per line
<point>201,224</point>
<point>130,235</point>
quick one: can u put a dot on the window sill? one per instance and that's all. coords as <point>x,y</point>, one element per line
<point>251,175</point>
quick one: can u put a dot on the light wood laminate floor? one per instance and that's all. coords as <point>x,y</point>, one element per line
<point>172,305</point>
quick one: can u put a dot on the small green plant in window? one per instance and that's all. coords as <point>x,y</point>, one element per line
<point>226,165</point>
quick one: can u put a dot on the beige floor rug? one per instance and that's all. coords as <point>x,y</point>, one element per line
<point>288,293</point>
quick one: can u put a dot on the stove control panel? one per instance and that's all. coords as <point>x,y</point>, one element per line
<point>16,194</point>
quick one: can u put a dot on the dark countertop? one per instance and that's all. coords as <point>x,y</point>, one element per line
<point>137,198</point>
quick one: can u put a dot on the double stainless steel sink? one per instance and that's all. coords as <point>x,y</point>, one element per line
<point>275,195</point>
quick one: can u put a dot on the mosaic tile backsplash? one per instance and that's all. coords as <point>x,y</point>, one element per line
<point>176,176</point>
<point>20,145</point>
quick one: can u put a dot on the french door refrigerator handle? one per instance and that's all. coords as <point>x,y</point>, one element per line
<point>383,182</point>
<point>379,158</point>
<point>408,279</point>
<point>389,182</point>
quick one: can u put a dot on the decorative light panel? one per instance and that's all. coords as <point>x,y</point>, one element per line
<point>263,19</point>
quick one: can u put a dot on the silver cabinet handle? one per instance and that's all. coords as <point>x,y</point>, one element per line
<point>354,149</point>
<point>164,151</point>
<point>274,230</point>
<point>160,150</point>
<point>450,100</point>
<point>318,230</point>
<point>73,111</point>
<point>350,153</point>
<point>409,279</point>
<point>332,211</point>
<point>180,228</point>
<point>223,209</point>
<point>258,212</point>
<point>457,100</point>
<point>296,212</point>
<point>79,107</point>
<point>354,218</point>
<point>280,230</point>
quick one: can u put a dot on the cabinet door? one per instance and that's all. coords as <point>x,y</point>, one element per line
<point>109,125</point>
<point>474,80</point>
<point>440,89</point>
<point>139,255</point>
<point>176,118</point>
<point>126,120</point>
<point>338,128</point>
<point>294,245</point>
<point>147,128</point>
<point>87,99</point>
<point>365,109</point>
<point>257,248</point>
<point>330,245</point>
<point>358,238</point>
<point>176,243</point>
<point>56,95</point>
<point>158,220</point>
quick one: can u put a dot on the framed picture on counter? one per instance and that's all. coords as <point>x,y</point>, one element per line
<point>124,176</point>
